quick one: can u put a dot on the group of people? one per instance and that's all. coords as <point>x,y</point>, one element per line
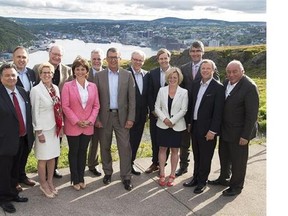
<point>90,103</point>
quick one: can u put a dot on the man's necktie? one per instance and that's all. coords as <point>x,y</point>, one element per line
<point>22,130</point>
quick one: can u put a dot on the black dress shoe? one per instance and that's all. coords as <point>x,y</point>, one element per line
<point>134,172</point>
<point>219,182</point>
<point>181,171</point>
<point>95,172</point>
<point>199,189</point>
<point>57,174</point>
<point>231,192</point>
<point>8,207</point>
<point>191,183</point>
<point>20,199</point>
<point>107,179</point>
<point>127,185</point>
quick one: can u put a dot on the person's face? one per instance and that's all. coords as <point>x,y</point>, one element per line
<point>234,73</point>
<point>173,79</point>
<point>206,71</point>
<point>164,60</point>
<point>80,72</point>
<point>113,60</point>
<point>137,61</point>
<point>9,78</point>
<point>196,54</point>
<point>97,61</point>
<point>20,59</point>
<point>46,75</point>
<point>55,56</point>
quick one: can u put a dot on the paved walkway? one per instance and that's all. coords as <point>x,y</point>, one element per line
<point>148,198</point>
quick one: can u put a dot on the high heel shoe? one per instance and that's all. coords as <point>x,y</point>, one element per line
<point>82,185</point>
<point>161,180</point>
<point>76,187</point>
<point>170,183</point>
<point>46,194</point>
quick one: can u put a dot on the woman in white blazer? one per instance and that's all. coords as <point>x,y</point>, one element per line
<point>170,106</point>
<point>47,123</point>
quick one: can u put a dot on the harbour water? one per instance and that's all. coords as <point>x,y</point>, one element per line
<point>73,48</point>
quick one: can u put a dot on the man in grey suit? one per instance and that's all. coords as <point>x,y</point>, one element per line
<point>97,57</point>
<point>62,74</point>
<point>116,89</point>
<point>238,127</point>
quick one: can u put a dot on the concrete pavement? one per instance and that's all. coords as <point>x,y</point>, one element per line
<point>148,198</point>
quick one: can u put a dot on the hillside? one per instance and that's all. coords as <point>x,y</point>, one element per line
<point>12,35</point>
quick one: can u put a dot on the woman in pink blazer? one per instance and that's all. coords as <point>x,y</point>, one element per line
<point>80,103</point>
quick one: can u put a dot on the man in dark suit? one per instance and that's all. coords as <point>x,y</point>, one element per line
<point>62,74</point>
<point>97,57</point>
<point>141,82</point>
<point>26,79</point>
<point>191,74</point>
<point>238,127</point>
<point>206,107</point>
<point>156,80</point>
<point>15,128</point>
<point>116,88</point>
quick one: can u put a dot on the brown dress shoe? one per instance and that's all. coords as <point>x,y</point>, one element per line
<point>152,168</point>
<point>29,182</point>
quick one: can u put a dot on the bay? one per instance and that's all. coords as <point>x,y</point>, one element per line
<point>73,48</point>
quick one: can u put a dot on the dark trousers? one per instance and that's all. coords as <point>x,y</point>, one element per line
<point>136,133</point>
<point>77,156</point>
<point>234,155</point>
<point>203,152</point>
<point>184,150</point>
<point>155,145</point>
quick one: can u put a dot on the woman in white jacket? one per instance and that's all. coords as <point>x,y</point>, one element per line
<point>170,107</point>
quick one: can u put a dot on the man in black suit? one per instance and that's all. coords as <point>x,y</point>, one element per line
<point>141,81</point>
<point>191,74</point>
<point>26,79</point>
<point>15,128</point>
<point>205,109</point>
<point>156,80</point>
<point>238,127</point>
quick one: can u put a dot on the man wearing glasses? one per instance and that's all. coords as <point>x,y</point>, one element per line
<point>116,89</point>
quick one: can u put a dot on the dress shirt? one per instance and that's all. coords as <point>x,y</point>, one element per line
<point>113,88</point>
<point>20,101</point>
<point>229,88</point>
<point>24,79</point>
<point>139,79</point>
<point>202,89</point>
<point>83,92</point>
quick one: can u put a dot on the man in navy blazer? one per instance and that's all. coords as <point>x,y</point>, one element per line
<point>205,109</point>
<point>26,79</point>
<point>191,74</point>
<point>11,141</point>
<point>141,86</point>
<point>239,125</point>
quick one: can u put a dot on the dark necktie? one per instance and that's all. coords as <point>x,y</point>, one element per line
<point>22,130</point>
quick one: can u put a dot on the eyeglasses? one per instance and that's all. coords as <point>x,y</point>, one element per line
<point>113,57</point>
<point>137,60</point>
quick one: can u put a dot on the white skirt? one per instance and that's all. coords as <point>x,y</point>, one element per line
<point>51,148</point>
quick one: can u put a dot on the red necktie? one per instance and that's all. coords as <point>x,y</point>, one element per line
<point>22,130</point>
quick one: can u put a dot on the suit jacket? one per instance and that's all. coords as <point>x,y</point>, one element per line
<point>73,110</point>
<point>210,111</point>
<point>9,126</point>
<point>42,107</point>
<point>31,77</point>
<point>240,111</point>
<point>141,99</point>
<point>65,74</point>
<point>178,108</point>
<point>126,96</point>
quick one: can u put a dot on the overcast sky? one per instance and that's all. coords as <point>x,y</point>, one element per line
<point>229,10</point>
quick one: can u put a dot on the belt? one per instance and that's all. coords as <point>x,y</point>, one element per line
<point>113,110</point>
